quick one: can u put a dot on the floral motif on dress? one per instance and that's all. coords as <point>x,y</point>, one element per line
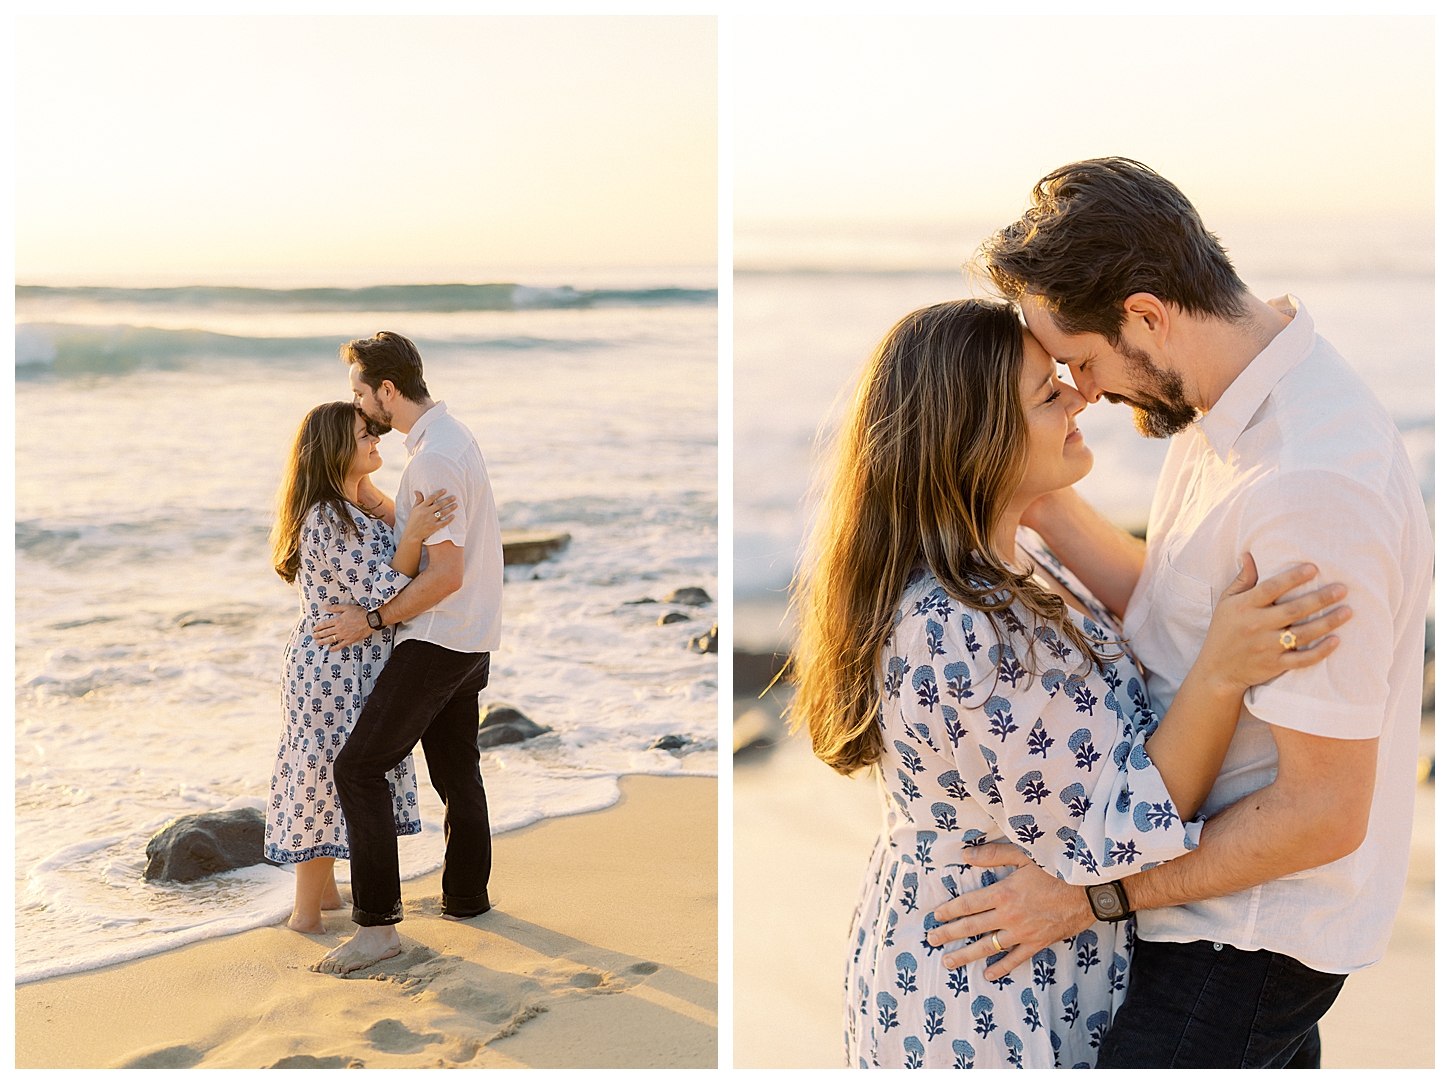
<point>989,739</point>
<point>324,689</point>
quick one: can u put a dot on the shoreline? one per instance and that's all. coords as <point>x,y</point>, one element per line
<point>600,952</point>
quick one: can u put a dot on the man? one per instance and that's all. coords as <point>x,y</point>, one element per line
<point>449,620</point>
<point>1280,451</point>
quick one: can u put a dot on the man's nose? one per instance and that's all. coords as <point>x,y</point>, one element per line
<point>1087,388</point>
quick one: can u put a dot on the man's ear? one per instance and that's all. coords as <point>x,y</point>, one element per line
<point>386,385</point>
<point>1146,312</point>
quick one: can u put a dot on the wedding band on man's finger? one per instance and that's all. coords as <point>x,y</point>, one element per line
<point>1288,640</point>
<point>997,944</point>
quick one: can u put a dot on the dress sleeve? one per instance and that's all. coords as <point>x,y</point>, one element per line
<point>349,570</point>
<point>1055,758</point>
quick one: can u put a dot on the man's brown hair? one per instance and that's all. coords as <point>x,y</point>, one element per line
<point>1101,230</point>
<point>388,356</point>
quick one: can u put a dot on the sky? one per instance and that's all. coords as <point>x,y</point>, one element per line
<point>229,146</point>
<point>943,117</point>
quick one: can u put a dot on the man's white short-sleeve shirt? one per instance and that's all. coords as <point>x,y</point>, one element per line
<point>1298,461</point>
<point>442,454</point>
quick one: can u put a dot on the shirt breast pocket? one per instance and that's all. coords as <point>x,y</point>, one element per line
<point>1177,623</point>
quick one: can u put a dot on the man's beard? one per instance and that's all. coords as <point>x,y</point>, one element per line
<point>382,425</point>
<point>1160,408</point>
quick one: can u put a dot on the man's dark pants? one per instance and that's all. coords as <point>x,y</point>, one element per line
<point>1192,1006</point>
<point>430,693</point>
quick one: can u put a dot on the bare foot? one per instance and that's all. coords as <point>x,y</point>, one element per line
<point>363,949</point>
<point>332,901</point>
<point>306,923</point>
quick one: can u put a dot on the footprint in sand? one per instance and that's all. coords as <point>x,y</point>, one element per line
<point>171,1057</point>
<point>307,1061</point>
<point>395,1037</point>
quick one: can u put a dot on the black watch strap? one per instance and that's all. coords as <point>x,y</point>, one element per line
<point>1109,901</point>
<point>375,618</point>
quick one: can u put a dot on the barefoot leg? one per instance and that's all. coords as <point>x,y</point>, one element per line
<point>331,897</point>
<point>366,947</point>
<point>312,878</point>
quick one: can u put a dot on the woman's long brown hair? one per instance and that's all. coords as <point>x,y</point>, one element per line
<point>929,454</point>
<point>322,452</point>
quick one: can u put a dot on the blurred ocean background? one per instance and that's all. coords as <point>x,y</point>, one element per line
<point>152,424</point>
<point>811,301</point>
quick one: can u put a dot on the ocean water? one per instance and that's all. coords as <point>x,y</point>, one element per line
<point>151,431</point>
<point>811,303</point>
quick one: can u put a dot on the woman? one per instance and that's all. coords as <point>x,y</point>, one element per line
<point>947,648</point>
<point>333,538</point>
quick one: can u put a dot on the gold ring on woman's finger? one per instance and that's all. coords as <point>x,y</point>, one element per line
<point>997,943</point>
<point>1288,639</point>
<point>437,515</point>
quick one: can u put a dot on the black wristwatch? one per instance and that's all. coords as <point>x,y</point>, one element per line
<point>1109,901</point>
<point>375,619</point>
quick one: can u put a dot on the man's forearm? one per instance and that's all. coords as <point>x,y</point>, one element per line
<point>1259,838</point>
<point>1106,558</point>
<point>431,587</point>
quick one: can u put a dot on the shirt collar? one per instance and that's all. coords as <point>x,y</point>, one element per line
<point>1241,400</point>
<point>427,418</point>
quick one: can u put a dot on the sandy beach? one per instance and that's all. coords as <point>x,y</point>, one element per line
<point>600,951</point>
<point>798,823</point>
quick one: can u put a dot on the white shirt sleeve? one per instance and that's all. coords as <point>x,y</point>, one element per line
<point>428,472</point>
<point>1350,534</point>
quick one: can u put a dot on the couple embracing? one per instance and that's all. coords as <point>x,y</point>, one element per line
<point>1143,805</point>
<point>401,607</point>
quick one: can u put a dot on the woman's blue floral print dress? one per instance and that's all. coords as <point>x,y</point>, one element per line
<point>979,751</point>
<point>324,689</point>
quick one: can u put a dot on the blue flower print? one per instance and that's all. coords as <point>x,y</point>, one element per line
<point>914,1051</point>
<point>935,1009</point>
<point>895,675</point>
<point>934,639</point>
<point>982,1013</point>
<point>886,1011</point>
<point>1037,740</point>
<point>1031,787</point>
<point>1014,1049</point>
<point>923,680</point>
<point>963,1052</point>
<point>1081,743</point>
<point>1147,817</point>
<point>959,681</point>
<point>999,713</point>
<point>945,816</point>
<point>906,972</point>
<point>951,782</point>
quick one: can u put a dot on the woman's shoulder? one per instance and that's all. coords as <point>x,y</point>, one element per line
<point>930,613</point>
<point>322,517</point>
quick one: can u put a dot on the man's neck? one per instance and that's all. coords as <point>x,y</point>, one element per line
<point>406,413</point>
<point>1220,350</point>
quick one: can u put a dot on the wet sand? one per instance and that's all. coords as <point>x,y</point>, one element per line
<point>600,951</point>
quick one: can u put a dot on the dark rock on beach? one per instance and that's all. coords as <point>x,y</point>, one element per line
<point>707,643</point>
<point>503,724</point>
<point>640,601</point>
<point>671,741</point>
<point>688,596</point>
<point>672,617</point>
<point>201,844</point>
<point>531,547</point>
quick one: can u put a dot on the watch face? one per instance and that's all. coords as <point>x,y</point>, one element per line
<point>1105,901</point>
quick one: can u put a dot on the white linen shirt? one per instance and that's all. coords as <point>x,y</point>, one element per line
<point>442,454</point>
<point>1297,461</point>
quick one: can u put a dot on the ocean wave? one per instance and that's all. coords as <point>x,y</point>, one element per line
<point>56,349</point>
<point>440,297</point>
